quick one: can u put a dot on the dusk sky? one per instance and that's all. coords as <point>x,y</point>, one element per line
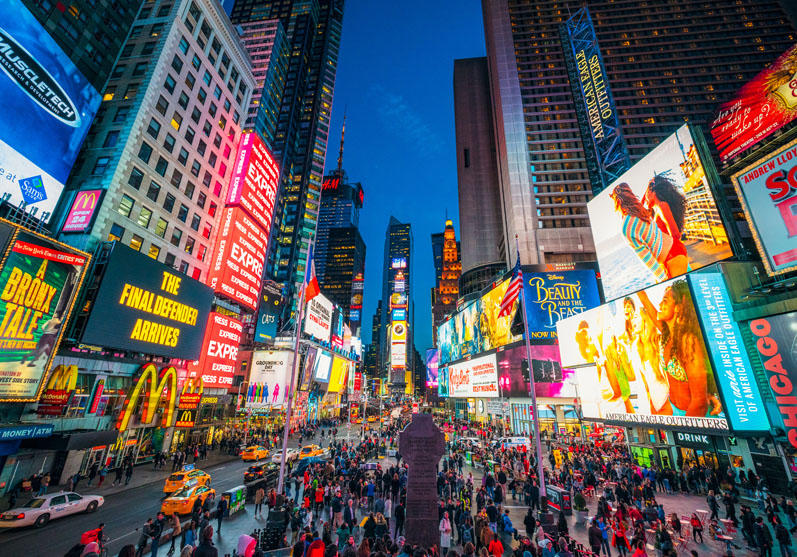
<point>394,79</point>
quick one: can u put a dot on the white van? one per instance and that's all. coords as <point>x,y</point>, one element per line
<point>520,443</point>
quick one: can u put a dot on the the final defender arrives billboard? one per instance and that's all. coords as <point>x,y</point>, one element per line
<point>47,108</point>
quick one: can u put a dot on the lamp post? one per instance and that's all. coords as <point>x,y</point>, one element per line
<point>246,424</point>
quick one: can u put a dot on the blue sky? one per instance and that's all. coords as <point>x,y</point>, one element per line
<point>394,79</point>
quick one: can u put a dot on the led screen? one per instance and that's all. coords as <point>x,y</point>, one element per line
<point>647,360</point>
<point>477,377</point>
<point>323,366</point>
<point>47,109</point>
<point>658,220</point>
<point>549,378</point>
<point>318,322</point>
<point>269,378</point>
<point>219,355</point>
<point>432,363</point>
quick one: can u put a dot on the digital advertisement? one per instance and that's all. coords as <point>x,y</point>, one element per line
<point>81,214</point>
<point>48,107</point>
<point>269,311</point>
<point>308,369</point>
<point>398,344</point>
<point>768,192</point>
<point>477,377</point>
<point>338,375</point>
<point>237,266</point>
<point>318,321</point>
<point>760,108</point>
<point>38,284</point>
<point>745,408</point>
<point>648,360</point>
<point>255,180</point>
<point>323,366</point>
<point>776,343</point>
<point>550,380</point>
<point>219,355</point>
<point>269,378</point>
<point>146,306</point>
<point>658,220</point>
<point>442,386</point>
<point>432,364</point>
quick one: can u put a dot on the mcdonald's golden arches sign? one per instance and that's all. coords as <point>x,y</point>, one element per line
<point>82,212</point>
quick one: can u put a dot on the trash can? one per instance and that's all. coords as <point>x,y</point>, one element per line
<point>559,499</point>
<point>236,499</point>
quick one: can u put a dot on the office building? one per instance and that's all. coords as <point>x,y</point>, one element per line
<point>267,45</point>
<point>446,291</point>
<point>313,31</point>
<point>480,219</point>
<point>396,332</point>
<point>162,145</point>
<point>665,62</point>
<point>90,32</point>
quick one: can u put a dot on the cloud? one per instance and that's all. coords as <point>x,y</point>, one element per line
<point>400,119</point>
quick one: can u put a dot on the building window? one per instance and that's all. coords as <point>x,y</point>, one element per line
<point>203,250</point>
<point>144,217</point>
<point>196,115</point>
<point>182,156</point>
<point>189,190</point>
<point>110,91</point>
<point>154,128</point>
<point>168,142</point>
<point>116,233</point>
<point>182,214</point>
<point>148,48</point>
<point>177,121</point>
<point>196,62</point>
<point>136,241</point>
<point>154,251</point>
<point>467,158</point>
<point>206,179</point>
<point>169,260</point>
<point>111,138</point>
<point>161,167</point>
<point>126,205</point>
<point>201,147</point>
<point>207,231</point>
<point>200,199</point>
<point>101,166</point>
<point>177,64</point>
<point>190,80</point>
<point>131,91</point>
<point>118,71</point>
<point>162,106</point>
<point>160,227</point>
<point>121,113</point>
<point>202,95</point>
<point>189,245</point>
<point>212,209</point>
<point>217,189</point>
<point>195,168</point>
<point>189,134</point>
<point>206,129</point>
<point>217,92</point>
<point>153,191</point>
<point>136,176</point>
<point>177,234</point>
<point>183,45</point>
<point>184,267</point>
<point>222,122</point>
<point>169,84</point>
<point>196,220</point>
<point>168,203</point>
<point>177,178</point>
<point>140,69</point>
<point>217,140</point>
<point>212,109</point>
<point>145,152</point>
<point>183,101</point>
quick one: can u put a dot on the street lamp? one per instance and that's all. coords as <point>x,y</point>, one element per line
<point>246,425</point>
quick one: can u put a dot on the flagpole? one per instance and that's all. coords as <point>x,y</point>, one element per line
<point>294,367</point>
<point>535,421</point>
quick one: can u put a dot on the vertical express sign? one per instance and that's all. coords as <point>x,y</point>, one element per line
<point>216,364</point>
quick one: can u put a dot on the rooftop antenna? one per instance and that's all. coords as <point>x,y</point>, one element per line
<point>342,135</point>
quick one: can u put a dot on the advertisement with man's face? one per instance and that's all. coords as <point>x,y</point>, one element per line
<point>48,107</point>
<point>658,220</point>
<point>648,361</point>
<point>38,283</point>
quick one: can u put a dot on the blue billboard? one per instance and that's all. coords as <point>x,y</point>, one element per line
<point>742,399</point>
<point>47,109</point>
<point>269,311</point>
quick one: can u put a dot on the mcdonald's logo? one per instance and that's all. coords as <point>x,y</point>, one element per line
<point>86,200</point>
<point>83,207</point>
<point>186,418</point>
<point>161,390</point>
<point>63,378</point>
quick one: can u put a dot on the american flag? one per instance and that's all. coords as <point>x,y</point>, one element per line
<point>512,291</point>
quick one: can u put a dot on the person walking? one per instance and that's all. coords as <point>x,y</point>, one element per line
<point>399,512</point>
<point>260,494</point>
<point>176,530</point>
<point>595,537</point>
<point>445,534</point>
<point>221,510</point>
<point>118,472</point>
<point>155,534</point>
<point>44,485</point>
<point>783,536</point>
<point>103,473</point>
<point>128,473</point>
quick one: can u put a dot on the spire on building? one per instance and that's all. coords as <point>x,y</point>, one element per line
<point>340,153</point>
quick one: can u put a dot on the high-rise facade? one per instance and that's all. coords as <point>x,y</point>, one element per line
<point>480,217</point>
<point>313,31</point>
<point>164,140</point>
<point>396,320</point>
<point>665,61</point>
<point>90,32</point>
<point>446,291</point>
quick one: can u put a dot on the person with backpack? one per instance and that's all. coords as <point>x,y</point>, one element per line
<point>468,532</point>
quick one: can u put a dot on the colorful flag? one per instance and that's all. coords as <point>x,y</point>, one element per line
<point>512,291</point>
<point>313,289</point>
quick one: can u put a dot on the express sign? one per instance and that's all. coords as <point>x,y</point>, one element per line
<point>254,181</point>
<point>216,365</point>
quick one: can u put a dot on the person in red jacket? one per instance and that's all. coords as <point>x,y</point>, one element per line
<point>317,548</point>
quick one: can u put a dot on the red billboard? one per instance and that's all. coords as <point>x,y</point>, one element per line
<point>237,266</point>
<point>254,181</point>
<point>216,363</point>
<point>762,106</point>
<point>82,211</point>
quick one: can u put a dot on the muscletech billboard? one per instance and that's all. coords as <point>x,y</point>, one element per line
<point>768,191</point>
<point>761,107</point>
<point>48,107</point>
<point>658,220</point>
<point>38,284</point>
<point>145,306</point>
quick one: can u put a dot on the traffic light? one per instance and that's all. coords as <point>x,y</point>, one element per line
<point>524,367</point>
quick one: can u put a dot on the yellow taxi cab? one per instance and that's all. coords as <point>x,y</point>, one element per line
<point>371,419</point>
<point>356,420</point>
<point>182,501</point>
<point>188,474</point>
<point>310,450</point>
<point>255,452</point>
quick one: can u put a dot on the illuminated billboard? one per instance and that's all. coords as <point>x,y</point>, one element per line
<point>643,359</point>
<point>442,385</point>
<point>338,375</point>
<point>768,192</point>
<point>323,366</point>
<point>146,306</point>
<point>81,214</point>
<point>269,378</point>
<point>237,266</point>
<point>658,220</point>
<point>269,311</point>
<point>761,107</point>
<point>38,284</point>
<point>477,377</point>
<point>398,263</point>
<point>776,344</point>
<point>318,321</point>
<point>398,344</point>
<point>432,364</point>
<point>255,181</point>
<point>217,360</point>
<point>550,379</point>
<point>48,107</point>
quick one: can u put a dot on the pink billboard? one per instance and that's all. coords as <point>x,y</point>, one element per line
<point>255,180</point>
<point>82,211</point>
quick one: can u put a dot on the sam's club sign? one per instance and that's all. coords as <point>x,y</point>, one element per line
<point>46,108</point>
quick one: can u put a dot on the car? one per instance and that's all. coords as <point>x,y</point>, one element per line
<point>41,510</point>
<point>290,455</point>
<point>269,472</point>
<point>255,452</point>
<point>182,501</point>
<point>310,450</point>
<point>178,480</point>
<point>371,419</point>
<point>356,420</point>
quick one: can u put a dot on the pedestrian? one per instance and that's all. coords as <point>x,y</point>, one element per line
<point>697,528</point>
<point>496,548</point>
<point>445,534</point>
<point>155,533</point>
<point>128,473</point>
<point>103,473</point>
<point>260,494</point>
<point>205,547</point>
<point>399,513</point>
<point>784,538</point>
<point>118,471</point>
<point>221,510</point>
<point>176,530</point>
<point>763,537</point>
<point>594,536</point>
<point>45,483</point>
<point>144,537</point>
<point>93,469</point>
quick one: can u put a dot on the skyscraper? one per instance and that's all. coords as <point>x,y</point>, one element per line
<point>162,146</point>
<point>665,61</point>
<point>396,331</point>
<point>313,31</point>
<point>90,32</point>
<point>446,291</point>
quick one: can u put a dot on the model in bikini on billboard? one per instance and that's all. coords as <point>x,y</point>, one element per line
<point>614,389</point>
<point>667,205</point>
